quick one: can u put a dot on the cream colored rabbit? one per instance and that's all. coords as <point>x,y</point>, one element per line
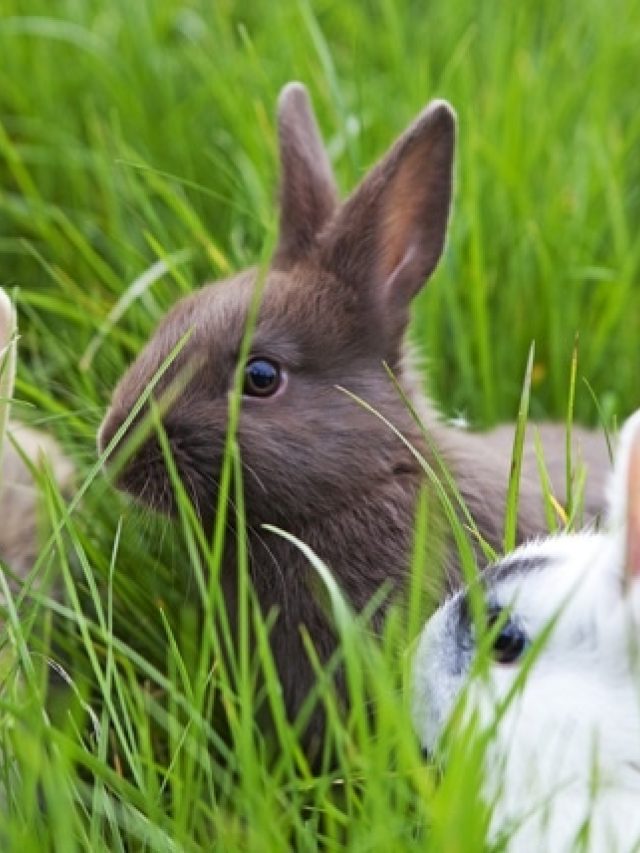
<point>19,497</point>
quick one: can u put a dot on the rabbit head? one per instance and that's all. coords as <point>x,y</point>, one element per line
<point>569,607</point>
<point>334,305</point>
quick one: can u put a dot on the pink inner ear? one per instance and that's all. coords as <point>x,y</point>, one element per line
<point>633,510</point>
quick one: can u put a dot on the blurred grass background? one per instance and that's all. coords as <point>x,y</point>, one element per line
<point>132,131</point>
<point>138,158</point>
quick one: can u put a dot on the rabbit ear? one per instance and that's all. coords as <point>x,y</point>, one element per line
<point>7,346</point>
<point>7,363</point>
<point>633,503</point>
<point>308,194</point>
<point>389,235</point>
<point>625,495</point>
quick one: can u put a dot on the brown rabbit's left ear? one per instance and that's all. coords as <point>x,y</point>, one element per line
<point>388,236</point>
<point>308,194</point>
<point>632,551</point>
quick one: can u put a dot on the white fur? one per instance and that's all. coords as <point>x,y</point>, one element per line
<point>567,750</point>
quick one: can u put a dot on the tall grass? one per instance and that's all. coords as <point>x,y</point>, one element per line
<point>137,159</point>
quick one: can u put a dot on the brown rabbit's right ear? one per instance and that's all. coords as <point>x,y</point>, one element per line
<point>388,236</point>
<point>308,194</point>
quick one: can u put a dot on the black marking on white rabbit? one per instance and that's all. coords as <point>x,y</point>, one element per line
<point>513,566</point>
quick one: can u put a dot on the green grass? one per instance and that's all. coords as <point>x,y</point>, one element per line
<point>137,159</point>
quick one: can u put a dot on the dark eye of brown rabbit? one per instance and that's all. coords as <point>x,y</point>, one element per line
<point>262,378</point>
<point>510,641</point>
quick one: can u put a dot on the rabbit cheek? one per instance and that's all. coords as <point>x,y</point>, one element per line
<point>196,447</point>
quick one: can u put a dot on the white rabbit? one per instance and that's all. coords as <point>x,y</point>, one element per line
<point>19,496</point>
<point>564,757</point>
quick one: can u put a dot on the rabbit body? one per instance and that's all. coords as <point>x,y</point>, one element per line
<point>334,306</point>
<point>19,495</point>
<point>566,752</point>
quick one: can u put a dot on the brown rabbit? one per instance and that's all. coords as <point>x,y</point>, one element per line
<point>335,306</point>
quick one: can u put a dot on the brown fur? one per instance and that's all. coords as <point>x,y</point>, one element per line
<point>335,306</point>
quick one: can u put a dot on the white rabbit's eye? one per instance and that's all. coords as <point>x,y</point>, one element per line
<point>510,640</point>
<point>262,378</point>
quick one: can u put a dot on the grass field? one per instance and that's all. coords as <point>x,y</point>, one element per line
<point>138,158</point>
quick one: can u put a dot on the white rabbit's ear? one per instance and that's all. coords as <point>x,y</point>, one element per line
<point>308,195</point>
<point>633,505</point>
<point>625,495</point>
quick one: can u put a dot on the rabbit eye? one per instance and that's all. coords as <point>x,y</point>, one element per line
<point>510,641</point>
<point>262,378</point>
